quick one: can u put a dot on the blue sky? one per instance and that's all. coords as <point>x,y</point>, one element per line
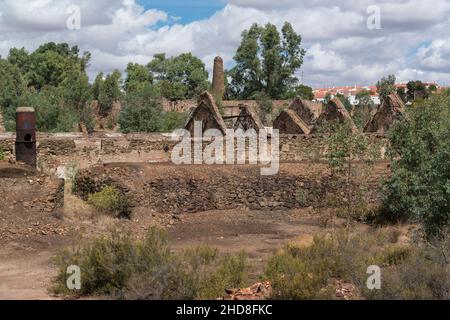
<point>187,11</point>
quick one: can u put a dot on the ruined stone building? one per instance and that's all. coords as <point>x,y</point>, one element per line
<point>308,111</point>
<point>248,119</point>
<point>288,122</point>
<point>208,113</point>
<point>391,110</point>
<point>334,111</point>
<point>300,118</point>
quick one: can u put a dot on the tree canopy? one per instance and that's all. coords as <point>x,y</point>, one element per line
<point>266,61</point>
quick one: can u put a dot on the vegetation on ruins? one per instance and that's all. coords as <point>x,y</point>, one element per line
<point>266,61</point>
<point>351,156</point>
<point>126,268</point>
<point>2,155</point>
<point>419,188</point>
<point>386,86</point>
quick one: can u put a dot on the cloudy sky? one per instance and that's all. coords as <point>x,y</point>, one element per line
<point>412,43</point>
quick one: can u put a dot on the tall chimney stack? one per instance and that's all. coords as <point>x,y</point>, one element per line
<point>218,78</point>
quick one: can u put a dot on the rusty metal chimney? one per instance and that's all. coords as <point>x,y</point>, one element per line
<point>26,136</point>
<point>218,78</point>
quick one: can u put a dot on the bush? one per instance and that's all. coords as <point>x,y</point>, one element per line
<point>123,267</point>
<point>408,272</point>
<point>141,112</point>
<point>419,189</point>
<point>111,201</point>
<point>2,155</point>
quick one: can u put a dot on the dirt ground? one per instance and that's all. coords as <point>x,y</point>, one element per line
<point>31,233</point>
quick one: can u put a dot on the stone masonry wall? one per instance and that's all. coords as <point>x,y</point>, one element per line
<point>56,150</point>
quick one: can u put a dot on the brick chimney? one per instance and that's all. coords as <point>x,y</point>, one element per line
<point>218,78</point>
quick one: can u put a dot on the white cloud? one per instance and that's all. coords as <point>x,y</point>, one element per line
<point>341,49</point>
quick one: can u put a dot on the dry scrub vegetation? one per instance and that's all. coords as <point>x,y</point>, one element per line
<point>125,268</point>
<point>121,267</point>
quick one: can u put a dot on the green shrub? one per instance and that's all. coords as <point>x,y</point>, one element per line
<point>419,188</point>
<point>122,267</point>
<point>2,155</point>
<point>418,271</point>
<point>112,201</point>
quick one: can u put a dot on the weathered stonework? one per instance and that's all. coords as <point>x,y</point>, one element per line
<point>335,112</point>
<point>248,119</point>
<point>288,122</point>
<point>392,109</point>
<point>208,113</point>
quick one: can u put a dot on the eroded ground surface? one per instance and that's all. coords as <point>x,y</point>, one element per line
<point>33,228</point>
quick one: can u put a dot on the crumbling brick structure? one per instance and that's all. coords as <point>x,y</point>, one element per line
<point>308,111</point>
<point>392,109</point>
<point>218,90</point>
<point>335,112</point>
<point>288,122</point>
<point>208,113</point>
<point>249,119</point>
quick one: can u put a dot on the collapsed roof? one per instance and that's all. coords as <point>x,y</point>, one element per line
<point>308,111</point>
<point>288,122</point>
<point>392,109</point>
<point>249,119</point>
<point>335,112</point>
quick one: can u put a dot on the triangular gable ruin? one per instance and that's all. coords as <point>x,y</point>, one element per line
<point>308,111</point>
<point>391,110</point>
<point>248,119</point>
<point>208,113</point>
<point>335,111</point>
<point>288,122</point>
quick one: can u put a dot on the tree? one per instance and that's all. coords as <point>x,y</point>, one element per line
<point>50,62</point>
<point>364,98</point>
<point>141,112</point>
<point>137,76</point>
<point>97,86</point>
<point>419,187</point>
<point>386,86</point>
<point>12,87</point>
<point>416,90</point>
<point>20,58</point>
<point>51,115</point>
<point>109,92</point>
<point>402,94</point>
<point>76,92</point>
<point>350,158</point>
<point>300,91</point>
<point>181,77</point>
<point>266,62</point>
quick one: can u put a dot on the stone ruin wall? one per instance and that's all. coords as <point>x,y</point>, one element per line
<point>231,107</point>
<point>56,150</point>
